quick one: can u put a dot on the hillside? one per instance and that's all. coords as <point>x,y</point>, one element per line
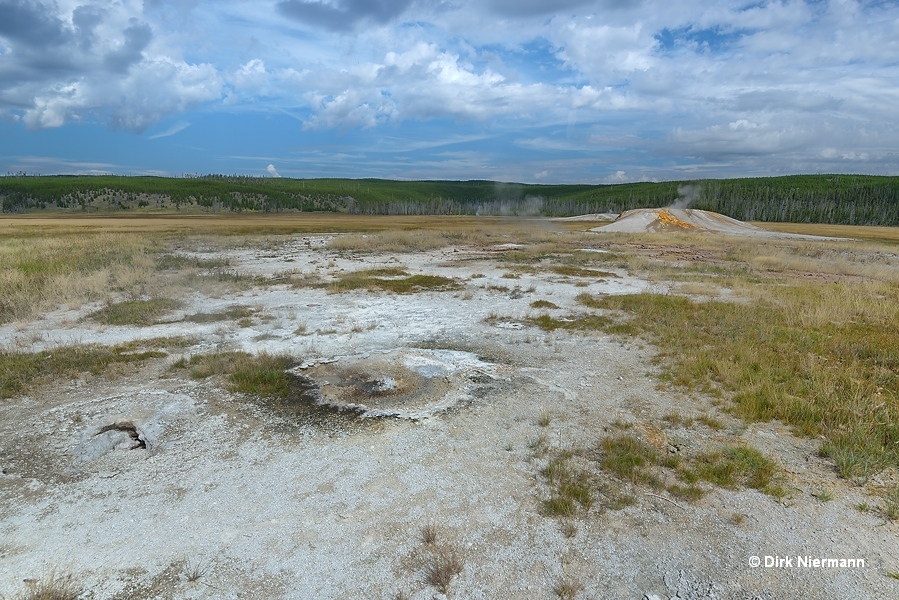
<point>839,199</point>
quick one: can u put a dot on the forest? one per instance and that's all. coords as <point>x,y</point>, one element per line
<point>837,199</point>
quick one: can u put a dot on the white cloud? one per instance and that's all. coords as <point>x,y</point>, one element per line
<point>272,171</point>
<point>728,81</point>
<point>176,128</point>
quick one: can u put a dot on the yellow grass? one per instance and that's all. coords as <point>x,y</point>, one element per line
<point>241,224</point>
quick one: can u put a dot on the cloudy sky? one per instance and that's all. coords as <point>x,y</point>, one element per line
<point>588,91</point>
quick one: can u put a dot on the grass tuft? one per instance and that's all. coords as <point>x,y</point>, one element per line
<point>891,504</point>
<point>545,418</point>
<point>737,466</point>
<point>263,375</point>
<point>567,588</point>
<point>135,312</point>
<point>543,304</point>
<point>428,534</point>
<point>52,586</point>
<point>376,279</point>
<point>443,565</point>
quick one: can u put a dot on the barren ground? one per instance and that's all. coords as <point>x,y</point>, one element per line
<point>233,497</point>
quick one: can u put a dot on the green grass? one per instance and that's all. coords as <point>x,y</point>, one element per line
<point>397,281</point>
<point>135,312</point>
<point>571,323</point>
<point>891,504</point>
<point>261,375</point>
<point>631,460</point>
<point>734,467</point>
<point>571,488</point>
<point>19,372</point>
<point>575,271</point>
<point>624,456</point>
<point>232,313</point>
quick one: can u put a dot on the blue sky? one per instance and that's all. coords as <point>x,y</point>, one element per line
<point>577,91</point>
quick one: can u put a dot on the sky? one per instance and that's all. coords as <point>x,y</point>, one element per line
<point>564,91</point>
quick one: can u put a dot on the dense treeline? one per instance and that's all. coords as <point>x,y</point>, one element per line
<point>847,199</point>
<point>843,199</point>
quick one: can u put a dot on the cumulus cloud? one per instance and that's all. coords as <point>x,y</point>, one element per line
<point>684,83</point>
<point>95,61</point>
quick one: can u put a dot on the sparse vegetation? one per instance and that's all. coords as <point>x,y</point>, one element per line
<point>195,570</point>
<point>636,463</point>
<point>574,271</point>
<point>52,586</point>
<point>818,357</point>
<point>736,466</point>
<point>823,495</point>
<point>19,371</point>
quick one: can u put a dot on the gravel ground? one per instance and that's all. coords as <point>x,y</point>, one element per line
<point>233,498</point>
